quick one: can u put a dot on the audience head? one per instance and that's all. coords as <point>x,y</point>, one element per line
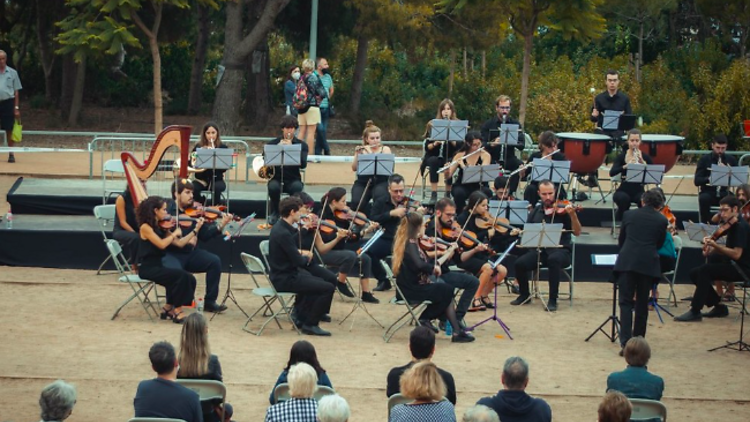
<point>304,351</point>
<point>194,349</point>
<point>57,401</point>
<point>333,408</point>
<point>637,352</point>
<point>308,66</point>
<point>302,381</point>
<point>480,413</point>
<point>515,373</point>
<point>162,358</point>
<point>422,343</point>
<point>422,382</point>
<point>615,408</point>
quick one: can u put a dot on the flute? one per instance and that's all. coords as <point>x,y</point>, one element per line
<point>446,167</point>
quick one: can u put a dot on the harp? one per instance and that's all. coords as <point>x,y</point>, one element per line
<point>137,174</point>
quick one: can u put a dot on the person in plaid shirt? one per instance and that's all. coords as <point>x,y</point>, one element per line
<point>302,407</point>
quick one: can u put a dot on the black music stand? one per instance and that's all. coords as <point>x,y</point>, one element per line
<point>283,155</point>
<point>540,236</point>
<point>232,238</point>
<point>515,211</point>
<point>645,174</point>
<point>608,261</point>
<point>359,303</point>
<point>214,159</point>
<point>375,164</point>
<point>480,174</point>
<point>557,172</point>
<point>726,176</point>
<point>740,344</point>
<point>494,316</point>
<point>509,135</point>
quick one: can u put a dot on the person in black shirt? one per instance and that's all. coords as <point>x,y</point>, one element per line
<point>628,192</point>
<point>611,99</point>
<point>371,144</point>
<point>291,177</point>
<point>491,139</point>
<point>461,190</point>
<point>547,145</point>
<point>719,266</point>
<point>437,153</point>
<point>314,295</point>
<point>710,195</point>
<point>209,178</point>
<point>124,230</point>
<point>555,259</point>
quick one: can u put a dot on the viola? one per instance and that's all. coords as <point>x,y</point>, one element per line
<point>559,207</point>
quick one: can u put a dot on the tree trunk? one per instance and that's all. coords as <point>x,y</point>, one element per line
<point>639,59</point>
<point>199,62</point>
<point>452,72</point>
<point>69,72</point>
<point>484,63</point>
<point>466,64</point>
<point>45,32</point>
<point>77,101</point>
<point>158,104</point>
<point>528,45</point>
<point>258,97</point>
<point>359,74</point>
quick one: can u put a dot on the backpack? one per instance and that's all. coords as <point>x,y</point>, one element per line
<point>301,100</point>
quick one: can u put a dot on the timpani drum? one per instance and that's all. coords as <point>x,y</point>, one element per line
<point>663,149</point>
<point>586,151</point>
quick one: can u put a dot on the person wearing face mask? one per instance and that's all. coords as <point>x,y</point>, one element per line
<point>289,86</point>
<point>212,179</point>
<point>321,140</point>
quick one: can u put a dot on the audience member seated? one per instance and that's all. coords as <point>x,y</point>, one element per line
<point>615,408</point>
<point>480,413</point>
<point>333,408</point>
<point>635,381</point>
<point>302,351</point>
<point>57,401</point>
<point>423,384</point>
<point>163,397</point>
<point>422,347</point>
<point>512,404</point>
<point>197,362</point>
<point>302,407</point>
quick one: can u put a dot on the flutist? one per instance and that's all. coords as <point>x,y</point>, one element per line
<point>710,196</point>
<point>628,192</point>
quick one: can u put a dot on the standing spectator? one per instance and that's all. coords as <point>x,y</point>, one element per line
<point>635,381</point>
<point>512,403</point>
<point>289,87</point>
<point>10,102</point>
<point>57,401</point>
<point>321,142</point>
<point>333,408</point>
<point>423,384</point>
<point>615,408</point>
<point>309,117</point>
<point>302,407</point>
<point>163,397</point>
<point>480,413</point>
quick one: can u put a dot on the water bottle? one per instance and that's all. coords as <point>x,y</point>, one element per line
<point>448,328</point>
<point>9,219</point>
<point>199,305</point>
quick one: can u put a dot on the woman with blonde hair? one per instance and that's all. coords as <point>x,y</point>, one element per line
<point>197,362</point>
<point>423,384</point>
<point>438,152</point>
<point>309,117</point>
<point>371,144</point>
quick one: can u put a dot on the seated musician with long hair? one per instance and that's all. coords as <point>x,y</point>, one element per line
<point>437,152</point>
<point>209,179</point>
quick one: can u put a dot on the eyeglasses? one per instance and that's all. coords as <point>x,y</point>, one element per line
<point>725,209</point>
<point>504,107</point>
<point>449,215</point>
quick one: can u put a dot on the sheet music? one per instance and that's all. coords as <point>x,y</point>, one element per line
<point>604,260</point>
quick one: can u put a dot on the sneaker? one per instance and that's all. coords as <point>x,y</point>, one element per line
<point>719,311</point>
<point>344,289</point>
<point>11,158</point>
<point>689,316</point>
<point>462,337</point>
<point>368,297</point>
<point>520,300</point>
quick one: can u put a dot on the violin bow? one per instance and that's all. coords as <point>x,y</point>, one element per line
<point>361,199</point>
<point>317,229</point>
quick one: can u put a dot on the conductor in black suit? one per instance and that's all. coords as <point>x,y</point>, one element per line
<point>637,267</point>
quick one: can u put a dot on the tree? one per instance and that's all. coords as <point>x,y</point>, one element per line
<point>573,18</point>
<point>734,18</point>
<point>199,60</point>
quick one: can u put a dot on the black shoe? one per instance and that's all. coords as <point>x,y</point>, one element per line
<point>441,325</point>
<point>273,219</point>
<point>689,316</point>
<point>325,318</point>
<point>314,330</point>
<point>462,337</point>
<point>428,324</point>
<point>368,297</point>
<point>719,311</point>
<point>687,299</point>
<point>520,300</point>
<point>344,289</point>
<point>433,199</point>
<point>382,286</point>
<point>11,158</point>
<point>514,289</point>
<point>215,307</point>
<point>581,196</point>
<point>622,351</point>
<point>592,181</point>
<point>552,305</point>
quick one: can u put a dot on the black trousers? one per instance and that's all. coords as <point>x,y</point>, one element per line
<point>180,284</point>
<point>218,187</point>
<point>198,261</point>
<point>380,250</point>
<point>706,200</point>
<point>129,242</point>
<point>554,259</point>
<point>703,277</point>
<point>376,192</point>
<point>275,188</point>
<point>324,274</point>
<point>634,291</point>
<point>623,200</point>
<point>439,293</point>
<point>314,296</point>
<point>461,192</point>
<point>434,163</point>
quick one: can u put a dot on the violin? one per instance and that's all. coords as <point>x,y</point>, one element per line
<point>358,218</point>
<point>559,208</point>
<point>667,212</point>
<point>209,213</point>
<point>409,204</point>
<point>500,224</point>
<point>327,227</point>
<point>721,231</point>
<point>745,211</point>
<point>429,244</point>
<point>168,223</point>
<point>468,239</point>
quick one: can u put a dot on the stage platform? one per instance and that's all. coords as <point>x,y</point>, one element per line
<point>54,227</point>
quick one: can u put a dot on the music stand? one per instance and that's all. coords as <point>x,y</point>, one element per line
<point>646,174</point>
<point>698,231</point>
<point>494,317</point>
<point>214,159</point>
<point>726,176</point>
<point>480,174</point>
<point>283,155</point>
<point>375,164</point>
<point>233,236</point>
<point>557,172</point>
<point>608,261</point>
<point>617,120</point>
<point>359,303</point>
<point>509,134</point>
<point>539,236</point>
<point>448,130</point>
<point>515,211</point>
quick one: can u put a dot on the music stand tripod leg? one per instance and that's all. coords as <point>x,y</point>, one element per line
<point>740,344</point>
<point>358,303</point>
<point>615,329</point>
<point>229,293</point>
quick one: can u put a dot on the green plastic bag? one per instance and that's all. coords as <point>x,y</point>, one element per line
<point>17,131</point>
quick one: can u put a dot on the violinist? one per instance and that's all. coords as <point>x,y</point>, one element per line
<point>125,224</point>
<point>710,195</point>
<point>179,283</point>
<point>719,264</point>
<point>334,249</point>
<point>437,152</point>
<point>212,179</point>
<point>547,145</point>
<point>371,144</point>
<point>190,257</point>
<point>460,190</point>
<point>628,192</point>
<point>743,195</point>
<point>475,259</point>
<point>416,277</point>
<point>491,139</point>
<point>441,222</point>
<point>500,186</point>
<point>549,211</point>
<point>292,179</point>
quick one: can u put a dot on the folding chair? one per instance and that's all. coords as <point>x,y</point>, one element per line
<point>105,214</point>
<point>208,390</point>
<point>397,399</point>
<point>281,392</point>
<point>647,409</point>
<point>269,295</point>
<point>155,420</point>
<point>141,288</point>
<point>322,391</point>
<point>615,183</point>
<point>670,276</point>
<point>412,308</point>
<point>111,167</point>
<point>569,271</point>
